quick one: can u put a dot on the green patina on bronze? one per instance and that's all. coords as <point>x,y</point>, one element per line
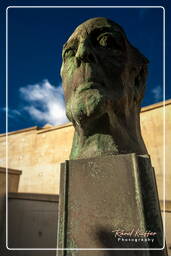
<point>103,78</point>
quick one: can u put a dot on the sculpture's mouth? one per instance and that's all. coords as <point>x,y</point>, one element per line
<point>89,85</point>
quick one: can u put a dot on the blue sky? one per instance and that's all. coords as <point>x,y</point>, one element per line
<point>36,37</point>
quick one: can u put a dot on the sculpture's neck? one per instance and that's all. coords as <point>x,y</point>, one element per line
<point>108,135</point>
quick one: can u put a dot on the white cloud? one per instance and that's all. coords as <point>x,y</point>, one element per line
<point>12,113</point>
<point>44,103</point>
<point>157,93</point>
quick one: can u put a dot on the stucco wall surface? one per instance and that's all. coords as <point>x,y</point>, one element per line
<point>156,131</point>
<point>38,153</point>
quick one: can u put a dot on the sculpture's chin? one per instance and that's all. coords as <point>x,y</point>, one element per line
<point>89,104</point>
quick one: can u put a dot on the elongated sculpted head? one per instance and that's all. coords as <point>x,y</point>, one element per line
<point>103,75</point>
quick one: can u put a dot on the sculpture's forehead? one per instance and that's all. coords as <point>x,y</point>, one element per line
<point>86,28</point>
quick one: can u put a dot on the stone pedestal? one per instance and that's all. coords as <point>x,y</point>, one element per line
<point>109,204</point>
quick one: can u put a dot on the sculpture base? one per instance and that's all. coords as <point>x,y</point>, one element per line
<point>109,204</point>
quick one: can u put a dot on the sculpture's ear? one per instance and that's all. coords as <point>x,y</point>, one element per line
<point>140,83</point>
<point>136,56</point>
<point>139,62</point>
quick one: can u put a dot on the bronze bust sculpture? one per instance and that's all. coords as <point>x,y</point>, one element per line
<point>104,79</point>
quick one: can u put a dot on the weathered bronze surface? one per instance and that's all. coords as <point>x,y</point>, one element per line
<point>103,78</point>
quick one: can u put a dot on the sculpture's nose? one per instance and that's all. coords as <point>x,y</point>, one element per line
<point>84,54</point>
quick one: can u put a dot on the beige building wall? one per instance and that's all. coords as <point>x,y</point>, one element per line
<point>38,152</point>
<point>156,127</point>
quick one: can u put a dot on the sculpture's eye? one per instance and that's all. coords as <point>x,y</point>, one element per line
<point>106,41</point>
<point>110,41</point>
<point>70,52</point>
